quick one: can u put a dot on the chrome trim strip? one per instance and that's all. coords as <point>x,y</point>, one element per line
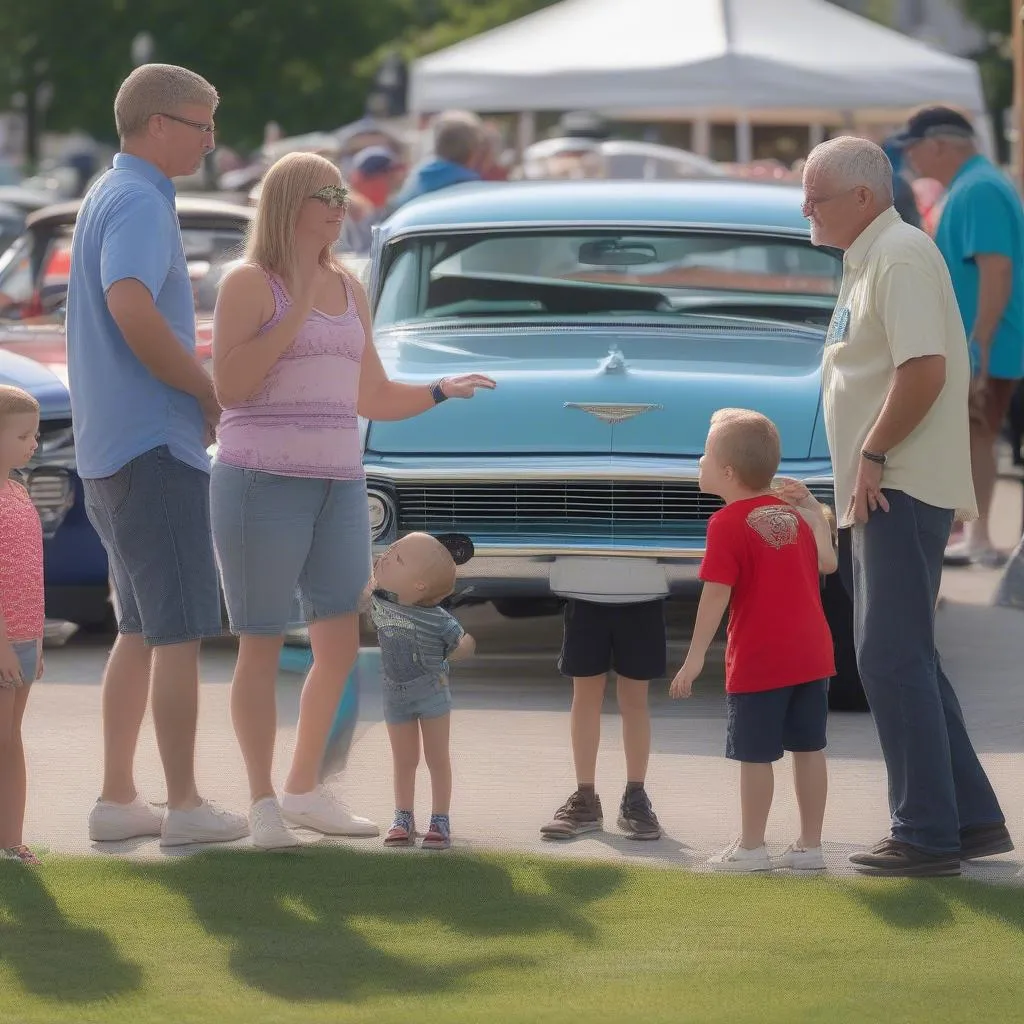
<point>599,472</point>
<point>506,227</point>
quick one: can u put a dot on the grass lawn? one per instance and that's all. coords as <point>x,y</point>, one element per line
<point>332,935</point>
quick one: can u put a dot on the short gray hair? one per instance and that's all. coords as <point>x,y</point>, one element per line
<point>158,89</point>
<point>853,161</point>
<point>458,134</point>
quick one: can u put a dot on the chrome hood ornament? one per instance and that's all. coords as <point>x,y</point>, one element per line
<point>612,412</point>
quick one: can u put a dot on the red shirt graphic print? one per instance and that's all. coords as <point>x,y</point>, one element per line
<point>777,633</point>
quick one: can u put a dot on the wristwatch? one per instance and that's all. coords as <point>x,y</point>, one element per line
<point>874,457</point>
<point>437,392</point>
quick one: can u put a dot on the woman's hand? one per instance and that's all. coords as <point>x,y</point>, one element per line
<point>465,385</point>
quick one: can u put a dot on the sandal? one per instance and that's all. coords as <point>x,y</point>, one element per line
<point>439,835</point>
<point>402,831</point>
<point>20,853</point>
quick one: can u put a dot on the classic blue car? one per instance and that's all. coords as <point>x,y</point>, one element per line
<point>75,565</point>
<point>616,318</point>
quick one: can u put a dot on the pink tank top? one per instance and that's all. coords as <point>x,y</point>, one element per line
<point>303,421</point>
<point>21,564</point>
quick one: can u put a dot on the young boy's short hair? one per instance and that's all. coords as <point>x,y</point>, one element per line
<point>749,443</point>
<point>15,400</point>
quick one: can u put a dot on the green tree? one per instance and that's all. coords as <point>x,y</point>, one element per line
<point>994,58</point>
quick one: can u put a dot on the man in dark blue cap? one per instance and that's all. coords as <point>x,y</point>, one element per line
<point>981,238</point>
<point>375,172</point>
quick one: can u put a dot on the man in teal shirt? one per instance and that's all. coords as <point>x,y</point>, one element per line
<point>981,237</point>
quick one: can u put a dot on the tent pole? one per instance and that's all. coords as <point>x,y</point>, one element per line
<point>701,141</point>
<point>526,131</point>
<point>744,140</point>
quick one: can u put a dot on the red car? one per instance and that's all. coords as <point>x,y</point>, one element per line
<point>34,274</point>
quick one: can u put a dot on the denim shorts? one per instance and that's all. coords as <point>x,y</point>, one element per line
<point>408,704</point>
<point>762,725</point>
<point>153,518</point>
<point>276,536</point>
<point>27,653</point>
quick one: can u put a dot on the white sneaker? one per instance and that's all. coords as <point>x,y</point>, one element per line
<point>796,858</point>
<point>323,812</point>
<point>114,823</point>
<point>965,553</point>
<point>736,858</point>
<point>268,829</point>
<point>206,823</point>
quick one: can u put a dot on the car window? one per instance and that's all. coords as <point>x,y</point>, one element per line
<point>34,271</point>
<point>604,273</point>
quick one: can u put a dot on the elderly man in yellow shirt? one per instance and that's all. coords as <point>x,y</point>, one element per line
<point>895,375</point>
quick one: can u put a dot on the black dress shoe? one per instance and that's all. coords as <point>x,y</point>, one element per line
<point>984,841</point>
<point>893,858</point>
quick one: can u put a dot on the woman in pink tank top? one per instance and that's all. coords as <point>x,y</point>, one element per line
<point>294,367</point>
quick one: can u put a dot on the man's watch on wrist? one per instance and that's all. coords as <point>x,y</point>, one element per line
<point>876,457</point>
<point>437,392</point>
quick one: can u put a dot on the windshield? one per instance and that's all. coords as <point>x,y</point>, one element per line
<point>607,273</point>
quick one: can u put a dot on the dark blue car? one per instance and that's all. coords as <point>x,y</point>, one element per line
<point>74,560</point>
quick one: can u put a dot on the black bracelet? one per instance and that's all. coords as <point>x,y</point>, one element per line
<point>875,457</point>
<point>437,392</point>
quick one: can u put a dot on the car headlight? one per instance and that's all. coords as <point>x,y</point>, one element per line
<point>382,513</point>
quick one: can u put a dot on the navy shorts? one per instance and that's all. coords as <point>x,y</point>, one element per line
<point>153,518</point>
<point>763,725</point>
<point>277,535</point>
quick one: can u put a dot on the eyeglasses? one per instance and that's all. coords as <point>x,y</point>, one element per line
<point>332,195</point>
<point>206,129</point>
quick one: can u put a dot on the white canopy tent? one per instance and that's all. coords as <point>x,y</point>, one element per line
<point>800,61</point>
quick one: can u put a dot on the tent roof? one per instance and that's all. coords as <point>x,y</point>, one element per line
<point>693,56</point>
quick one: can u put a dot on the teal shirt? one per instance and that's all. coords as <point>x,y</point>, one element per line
<point>983,214</point>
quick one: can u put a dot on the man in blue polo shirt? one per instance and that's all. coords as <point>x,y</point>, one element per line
<point>981,238</point>
<point>143,412</point>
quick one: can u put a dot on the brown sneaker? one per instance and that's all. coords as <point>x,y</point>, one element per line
<point>636,816</point>
<point>978,841</point>
<point>893,858</point>
<point>580,813</point>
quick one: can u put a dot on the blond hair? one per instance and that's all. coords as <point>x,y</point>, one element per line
<point>158,89</point>
<point>270,241</point>
<point>458,135</point>
<point>749,443</point>
<point>14,400</point>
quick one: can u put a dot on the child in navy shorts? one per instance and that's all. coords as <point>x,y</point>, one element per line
<point>765,551</point>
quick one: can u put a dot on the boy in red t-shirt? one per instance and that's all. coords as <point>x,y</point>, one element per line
<point>765,551</point>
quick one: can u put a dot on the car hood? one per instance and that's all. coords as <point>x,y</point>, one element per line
<point>629,389</point>
<point>38,381</point>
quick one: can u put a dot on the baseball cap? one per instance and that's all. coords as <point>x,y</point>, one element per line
<point>374,160</point>
<point>933,121</point>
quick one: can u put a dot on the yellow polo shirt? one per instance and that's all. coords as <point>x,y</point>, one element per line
<point>896,303</point>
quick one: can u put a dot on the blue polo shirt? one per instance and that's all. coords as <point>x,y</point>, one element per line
<point>127,227</point>
<point>983,214</point>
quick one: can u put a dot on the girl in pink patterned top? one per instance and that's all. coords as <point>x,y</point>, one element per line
<point>21,610</point>
<point>295,366</point>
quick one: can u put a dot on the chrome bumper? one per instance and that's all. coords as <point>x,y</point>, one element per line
<point>496,572</point>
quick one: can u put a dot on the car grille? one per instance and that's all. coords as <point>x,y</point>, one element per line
<point>52,492</point>
<point>588,507</point>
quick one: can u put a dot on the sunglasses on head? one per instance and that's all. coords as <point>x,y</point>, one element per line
<point>332,195</point>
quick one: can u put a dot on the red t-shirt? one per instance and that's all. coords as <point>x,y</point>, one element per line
<point>777,633</point>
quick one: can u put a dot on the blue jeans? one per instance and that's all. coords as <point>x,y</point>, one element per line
<point>937,785</point>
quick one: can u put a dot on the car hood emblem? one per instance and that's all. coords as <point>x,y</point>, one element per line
<point>612,412</point>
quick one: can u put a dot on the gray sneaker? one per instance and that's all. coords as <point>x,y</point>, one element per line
<point>580,813</point>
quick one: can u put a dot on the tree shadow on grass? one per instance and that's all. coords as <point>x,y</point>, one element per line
<point>50,955</point>
<point>908,904</point>
<point>304,926</point>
